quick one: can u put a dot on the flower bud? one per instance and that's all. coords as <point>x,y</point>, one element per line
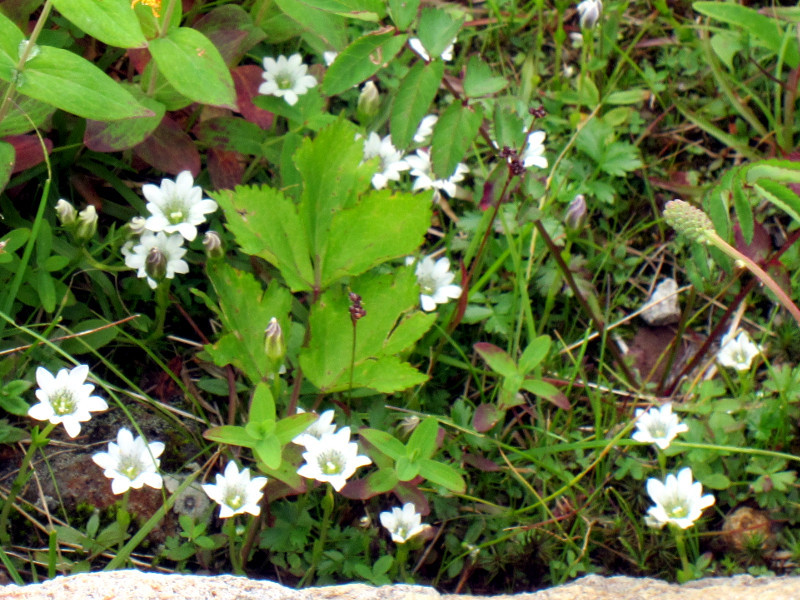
<point>368,103</point>
<point>155,265</point>
<point>575,216</point>
<point>66,213</point>
<point>136,225</point>
<point>213,245</point>
<point>274,342</point>
<point>590,11</point>
<point>688,220</point>
<point>86,224</point>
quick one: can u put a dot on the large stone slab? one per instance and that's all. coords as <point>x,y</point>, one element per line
<point>134,585</point>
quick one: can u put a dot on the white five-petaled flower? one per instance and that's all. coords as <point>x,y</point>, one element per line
<point>286,78</point>
<point>322,426</point>
<point>65,398</point>
<point>435,282</point>
<point>737,353</point>
<point>403,523</point>
<point>235,492</point>
<point>391,158</point>
<point>332,458</point>
<point>416,46</point>
<point>677,500</point>
<point>590,11</point>
<point>131,463</point>
<point>177,206</point>
<point>425,129</point>
<point>658,426</point>
<point>533,155</point>
<point>171,249</point>
<point>422,169</point>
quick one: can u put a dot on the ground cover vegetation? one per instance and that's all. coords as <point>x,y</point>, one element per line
<point>480,295</point>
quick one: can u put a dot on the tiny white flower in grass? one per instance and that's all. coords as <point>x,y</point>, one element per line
<point>590,11</point>
<point>322,426</point>
<point>421,168</point>
<point>446,55</point>
<point>392,162</point>
<point>425,129</point>
<point>332,458</point>
<point>403,523</point>
<point>286,78</point>
<point>157,256</point>
<point>435,282</point>
<point>131,463</point>
<point>235,492</point>
<point>65,398</point>
<point>678,500</point>
<point>177,206</point>
<point>533,155</point>
<point>658,426</point>
<point>737,353</point>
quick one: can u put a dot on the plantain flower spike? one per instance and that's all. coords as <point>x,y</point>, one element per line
<point>689,221</point>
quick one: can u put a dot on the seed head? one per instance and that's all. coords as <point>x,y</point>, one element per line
<point>688,220</point>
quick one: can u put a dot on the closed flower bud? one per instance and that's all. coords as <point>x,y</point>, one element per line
<point>590,11</point>
<point>274,342</point>
<point>575,216</point>
<point>86,224</point>
<point>213,245</point>
<point>137,225</point>
<point>368,103</point>
<point>155,264</point>
<point>66,213</point>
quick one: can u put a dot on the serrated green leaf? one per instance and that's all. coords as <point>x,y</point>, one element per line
<point>780,196</point>
<point>781,171</point>
<point>498,359</point>
<point>384,442</point>
<point>442,474</point>
<point>422,442</point>
<point>361,60</point>
<point>188,59</point>
<point>480,81</point>
<point>413,99</point>
<point>436,30</point>
<point>75,85</point>
<point>110,21</point>
<point>452,137</point>
<point>744,213</point>
<point>534,354</point>
<point>232,435</point>
<point>403,12</point>
<point>410,329</point>
<point>620,158</point>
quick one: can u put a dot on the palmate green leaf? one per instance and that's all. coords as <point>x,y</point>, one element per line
<point>361,60</point>
<point>277,235</point>
<point>436,30</point>
<point>480,81</point>
<point>388,225</point>
<point>452,137</point>
<point>403,13</point>
<point>442,474</point>
<point>413,99</point>
<point>75,85</point>
<point>7,157</point>
<point>110,21</point>
<point>780,196</point>
<point>620,158</point>
<point>194,66</point>
<point>410,329</point>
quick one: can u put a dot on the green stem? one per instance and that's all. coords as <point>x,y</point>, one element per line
<point>162,303</point>
<point>400,560</point>
<point>319,544</point>
<point>38,440</point>
<point>236,556</point>
<point>680,542</point>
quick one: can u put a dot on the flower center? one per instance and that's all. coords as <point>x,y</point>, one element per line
<point>658,431</point>
<point>175,211</point>
<point>330,463</point>
<point>427,284</point>
<point>284,81</point>
<point>130,466</point>
<point>678,512</point>
<point>63,402</point>
<point>235,500</point>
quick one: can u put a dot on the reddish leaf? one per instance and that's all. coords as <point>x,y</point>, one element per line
<point>498,359</point>
<point>247,79</point>
<point>481,462</point>
<point>231,30</point>
<point>485,417</point>
<point>761,246</point>
<point>408,491</point>
<point>28,150</point>
<point>225,167</point>
<point>170,149</point>
<point>112,136</point>
<point>139,58</point>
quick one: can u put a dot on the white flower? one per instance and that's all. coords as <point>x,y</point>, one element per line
<point>425,129</point>
<point>435,282</point>
<point>235,492</point>
<point>286,78</point>
<point>171,250</point>
<point>403,523</point>
<point>332,458</point>
<point>422,169</point>
<point>177,206</point>
<point>322,426</point>
<point>678,500</point>
<point>658,426</point>
<point>533,155</point>
<point>416,46</point>
<point>329,56</point>
<point>65,398</point>
<point>737,353</point>
<point>590,11</point>
<point>131,463</point>
<point>392,162</point>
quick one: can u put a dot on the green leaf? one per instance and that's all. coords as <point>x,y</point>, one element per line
<point>194,66</point>
<point>403,13</point>
<point>413,99</point>
<point>363,10</point>
<point>781,171</point>
<point>75,85</point>
<point>122,134</point>
<point>278,235</point>
<point>361,60</point>
<point>381,481</point>
<point>498,359</point>
<point>442,474</point>
<point>110,21</point>
<point>620,158</point>
<point>410,329</point>
<point>231,435</point>
<point>780,196</point>
<point>452,136</point>
<point>289,428</point>
<point>384,442</point>
<point>423,439</point>
<point>7,158</point>
<point>262,406</point>
<point>406,468</point>
<point>10,39</point>
<point>534,354</point>
<point>24,114</point>
<point>547,391</point>
<point>268,451</point>
<point>480,81</point>
<point>436,30</point>
<point>388,225</point>
<point>46,289</point>
<point>328,28</point>
<point>744,212</point>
